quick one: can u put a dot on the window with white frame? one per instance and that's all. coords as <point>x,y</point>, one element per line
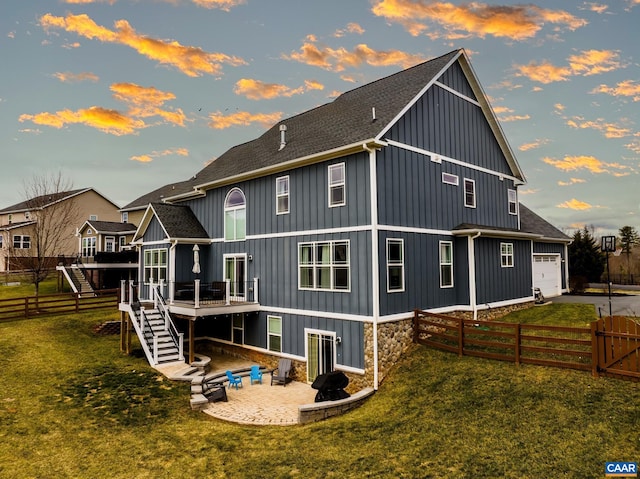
<point>513,202</point>
<point>395,265</point>
<point>450,179</point>
<point>125,216</point>
<point>122,242</point>
<point>238,328</point>
<point>324,265</point>
<point>22,241</point>
<point>337,185</point>
<point>155,265</point>
<point>89,246</point>
<point>110,244</point>
<point>274,333</point>
<point>469,193</point>
<point>235,216</point>
<point>282,195</point>
<point>446,264</point>
<point>506,255</point>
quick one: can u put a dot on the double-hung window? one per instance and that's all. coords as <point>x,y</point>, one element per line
<point>513,202</point>
<point>469,193</point>
<point>274,333</point>
<point>395,265</point>
<point>235,209</point>
<point>446,264</point>
<point>22,241</point>
<point>506,255</point>
<point>110,244</point>
<point>337,185</point>
<point>89,246</point>
<point>324,265</point>
<point>282,195</point>
<point>155,265</point>
<point>122,242</point>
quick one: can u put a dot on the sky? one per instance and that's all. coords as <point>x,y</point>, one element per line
<point>126,96</point>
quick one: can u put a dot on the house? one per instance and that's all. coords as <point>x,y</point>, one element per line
<point>317,240</point>
<point>62,212</point>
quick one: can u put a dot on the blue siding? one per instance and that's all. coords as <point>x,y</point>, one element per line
<point>154,231</point>
<point>495,283</point>
<point>454,78</point>
<point>553,248</point>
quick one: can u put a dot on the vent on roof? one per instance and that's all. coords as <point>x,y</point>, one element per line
<point>283,141</point>
<point>373,113</point>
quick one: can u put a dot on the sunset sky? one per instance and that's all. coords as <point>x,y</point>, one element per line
<point>129,95</point>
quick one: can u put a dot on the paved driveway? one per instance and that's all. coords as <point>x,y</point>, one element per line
<point>620,305</point>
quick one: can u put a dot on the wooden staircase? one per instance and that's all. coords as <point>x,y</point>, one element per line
<point>158,338</point>
<point>77,281</point>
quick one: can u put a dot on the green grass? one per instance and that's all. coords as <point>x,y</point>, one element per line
<point>573,315</point>
<point>25,288</point>
<point>71,405</point>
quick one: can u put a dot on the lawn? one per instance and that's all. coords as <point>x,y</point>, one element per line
<point>71,405</point>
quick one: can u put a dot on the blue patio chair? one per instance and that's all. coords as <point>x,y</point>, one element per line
<point>233,380</point>
<point>255,374</point>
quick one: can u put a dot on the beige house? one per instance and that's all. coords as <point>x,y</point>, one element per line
<point>62,212</point>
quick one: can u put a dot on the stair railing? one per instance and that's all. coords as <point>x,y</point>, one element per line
<point>161,306</point>
<point>143,328</point>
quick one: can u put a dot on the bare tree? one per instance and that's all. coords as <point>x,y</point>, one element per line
<point>50,205</point>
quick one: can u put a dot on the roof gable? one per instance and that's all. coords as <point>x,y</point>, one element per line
<point>109,227</point>
<point>177,221</point>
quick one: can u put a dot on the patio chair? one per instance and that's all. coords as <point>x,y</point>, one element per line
<point>233,380</point>
<point>255,374</point>
<point>280,375</point>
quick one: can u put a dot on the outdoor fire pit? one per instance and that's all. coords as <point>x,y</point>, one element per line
<point>331,386</point>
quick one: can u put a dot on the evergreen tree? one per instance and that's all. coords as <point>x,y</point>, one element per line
<point>586,260</point>
<point>628,239</point>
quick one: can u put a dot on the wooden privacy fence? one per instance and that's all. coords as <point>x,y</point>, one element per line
<point>610,347</point>
<point>28,307</point>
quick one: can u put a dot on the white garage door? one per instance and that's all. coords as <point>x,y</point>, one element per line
<point>546,274</point>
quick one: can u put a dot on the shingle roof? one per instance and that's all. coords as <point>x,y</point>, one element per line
<point>112,227</point>
<point>41,201</point>
<point>179,221</point>
<point>532,223</point>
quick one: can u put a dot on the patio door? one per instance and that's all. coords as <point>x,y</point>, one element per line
<point>321,353</point>
<point>235,270</point>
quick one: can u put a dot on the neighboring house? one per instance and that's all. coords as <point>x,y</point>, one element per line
<point>335,224</point>
<point>18,225</point>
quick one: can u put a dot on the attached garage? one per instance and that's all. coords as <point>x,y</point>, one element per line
<point>547,274</point>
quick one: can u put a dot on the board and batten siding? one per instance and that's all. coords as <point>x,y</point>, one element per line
<point>553,248</point>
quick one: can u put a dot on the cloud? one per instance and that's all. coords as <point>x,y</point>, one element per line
<point>589,163</point>
<point>608,129</point>
<point>572,181</point>
<point>509,118</point>
<point>634,146</point>
<point>225,5</point>
<point>595,7</point>
<point>338,59</point>
<point>145,102</point>
<point>351,28</point>
<point>220,121</point>
<point>528,191</point>
<point>68,77</point>
<point>258,90</point>
<point>574,204</point>
<point>533,145</point>
<point>108,121</point>
<point>156,154</point>
<point>474,19</point>
<point>588,62</point>
<point>191,61</point>
<point>626,88</point>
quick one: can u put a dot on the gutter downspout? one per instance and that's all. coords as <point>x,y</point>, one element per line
<point>375,267</point>
<point>172,270</point>
<point>472,275</point>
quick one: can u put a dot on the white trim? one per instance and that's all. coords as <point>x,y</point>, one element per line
<point>410,229</point>
<point>287,195</point>
<point>515,202</point>
<point>320,332</point>
<point>464,184</point>
<point>375,263</point>
<point>269,334</point>
<point>400,264</point>
<point>342,184</point>
<point>288,234</point>
<point>234,209</point>
<point>235,256</point>
<point>450,179</point>
<point>428,153</point>
<point>318,314</point>
<point>457,93</point>
<point>440,263</point>
<point>332,265</point>
<point>507,255</point>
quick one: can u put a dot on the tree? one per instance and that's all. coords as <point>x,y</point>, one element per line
<point>50,207</point>
<point>586,260</point>
<point>628,239</point>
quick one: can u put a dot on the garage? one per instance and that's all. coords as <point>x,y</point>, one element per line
<point>546,274</point>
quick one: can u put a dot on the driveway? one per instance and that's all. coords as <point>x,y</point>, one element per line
<point>620,305</point>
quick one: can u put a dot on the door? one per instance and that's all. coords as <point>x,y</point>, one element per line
<point>235,270</point>
<point>321,352</point>
<point>546,274</point>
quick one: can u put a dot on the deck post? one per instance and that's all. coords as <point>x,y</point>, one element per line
<point>196,292</point>
<point>131,300</point>
<point>181,344</point>
<point>192,357</point>
<point>129,325</point>
<point>227,284</point>
<point>123,296</point>
<point>255,290</point>
<point>123,331</point>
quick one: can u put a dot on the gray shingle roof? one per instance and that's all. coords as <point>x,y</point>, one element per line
<point>532,223</point>
<point>179,221</point>
<point>112,227</point>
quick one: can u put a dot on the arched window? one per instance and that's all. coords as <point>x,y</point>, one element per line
<point>235,223</point>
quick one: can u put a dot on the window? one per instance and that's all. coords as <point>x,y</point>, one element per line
<point>274,333</point>
<point>155,265</point>
<point>337,196</point>
<point>1,241</point>
<point>27,215</point>
<point>282,195</point>
<point>89,246</point>
<point>395,265</point>
<point>125,216</point>
<point>22,241</point>
<point>238,328</point>
<point>450,179</point>
<point>93,217</point>
<point>324,265</point>
<point>122,240</point>
<point>235,222</point>
<point>446,264</point>
<point>506,255</point>
<point>109,244</point>
<point>469,193</point>
<point>513,202</point>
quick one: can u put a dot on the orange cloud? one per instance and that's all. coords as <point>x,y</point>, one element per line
<point>68,77</point>
<point>145,102</point>
<point>588,62</point>
<point>589,163</point>
<point>191,61</point>
<point>518,22</point>
<point>533,145</point>
<point>156,154</point>
<point>609,130</point>
<point>219,121</point>
<point>626,88</point>
<point>509,118</point>
<point>572,181</point>
<point>225,5</point>
<point>574,204</point>
<point>595,7</point>
<point>351,28</point>
<point>108,121</point>
<point>339,59</point>
<point>258,90</point>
